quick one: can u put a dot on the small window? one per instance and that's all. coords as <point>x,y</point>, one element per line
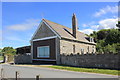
<point>91,39</point>
<point>82,51</point>
<point>93,49</point>
<point>73,48</point>
<point>43,51</point>
<point>88,49</point>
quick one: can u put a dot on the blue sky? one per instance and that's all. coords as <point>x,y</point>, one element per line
<point>21,19</point>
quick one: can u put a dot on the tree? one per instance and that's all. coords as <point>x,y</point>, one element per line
<point>100,46</point>
<point>0,52</point>
<point>101,34</point>
<point>8,51</point>
<point>114,48</point>
<point>108,40</point>
<point>94,35</point>
<point>117,46</point>
<point>113,37</point>
<point>110,49</point>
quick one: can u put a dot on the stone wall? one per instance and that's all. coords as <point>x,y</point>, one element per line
<point>58,50</point>
<point>22,58</point>
<point>109,61</point>
<point>67,47</point>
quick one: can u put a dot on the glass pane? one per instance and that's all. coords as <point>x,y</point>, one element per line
<point>47,51</point>
<point>41,52</point>
<point>38,52</point>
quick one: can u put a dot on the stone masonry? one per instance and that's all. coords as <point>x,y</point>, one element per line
<point>110,61</point>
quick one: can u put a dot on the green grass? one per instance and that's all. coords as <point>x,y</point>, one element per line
<point>1,57</point>
<point>102,71</point>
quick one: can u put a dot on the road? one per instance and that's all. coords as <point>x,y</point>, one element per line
<point>31,72</point>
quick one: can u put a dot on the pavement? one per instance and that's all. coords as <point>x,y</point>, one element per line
<point>32,72</point>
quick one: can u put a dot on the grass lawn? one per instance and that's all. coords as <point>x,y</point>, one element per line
<point>1,57</point>
<point>101,71</point>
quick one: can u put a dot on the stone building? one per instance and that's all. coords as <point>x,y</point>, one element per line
<point>51,40</point>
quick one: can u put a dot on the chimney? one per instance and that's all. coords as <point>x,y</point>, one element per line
<point>74,25</point>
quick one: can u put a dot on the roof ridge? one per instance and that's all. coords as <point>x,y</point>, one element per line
<point>56,23</point>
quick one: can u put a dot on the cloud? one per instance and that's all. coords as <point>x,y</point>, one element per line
<point>87,31</point>
<point>95,27</point>
<point>102,24</point>
<point>108,23</point>
<point>84,25</point>
<point>88,24</point>
<point>13,38</point>
<point>107,9</point>
<point>27,25</point>
<point>0,35</point>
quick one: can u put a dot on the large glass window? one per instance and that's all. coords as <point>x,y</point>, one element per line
<point>43,51</point>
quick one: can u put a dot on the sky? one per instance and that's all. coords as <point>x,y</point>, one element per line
<point>21,19</point>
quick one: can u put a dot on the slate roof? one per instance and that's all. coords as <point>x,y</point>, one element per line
<point>66,32</point>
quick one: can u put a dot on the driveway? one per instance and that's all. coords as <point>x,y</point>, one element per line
<point>31,72</point>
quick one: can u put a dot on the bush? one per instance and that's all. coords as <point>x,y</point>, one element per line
<point>8,50</point>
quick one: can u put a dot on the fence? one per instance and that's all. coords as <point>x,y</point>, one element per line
<point>6,58</point>
<point>92,60</point>
<point>23,58</point>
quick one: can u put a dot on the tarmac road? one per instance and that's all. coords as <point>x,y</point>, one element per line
<point>31,72</point>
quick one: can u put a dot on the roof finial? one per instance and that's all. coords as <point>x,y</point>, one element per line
<point>73,13</point>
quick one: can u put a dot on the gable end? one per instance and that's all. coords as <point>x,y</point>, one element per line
<point>44,31</point>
